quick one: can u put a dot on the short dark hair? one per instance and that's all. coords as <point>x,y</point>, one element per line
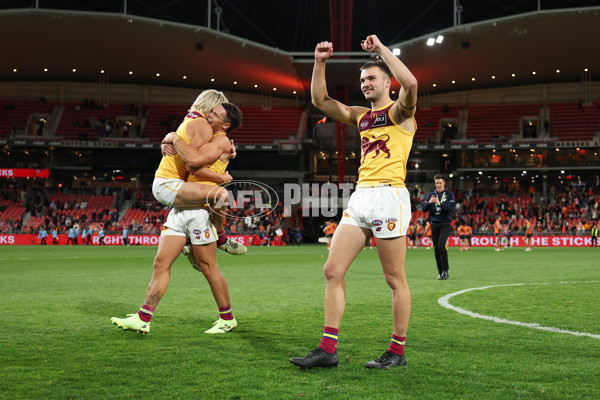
<point>234,116</point>
<point>439,176</point>
<point>379,64</point>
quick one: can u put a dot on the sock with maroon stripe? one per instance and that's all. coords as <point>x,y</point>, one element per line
<point>397,345</point>
<point>225,313</point>
<point>329,340</point>
<point>222,237</point>
<point>146,313</point>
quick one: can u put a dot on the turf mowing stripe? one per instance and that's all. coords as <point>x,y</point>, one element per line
<point>444,302</point>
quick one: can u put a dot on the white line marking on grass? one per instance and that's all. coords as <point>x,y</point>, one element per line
<point>444,302</point>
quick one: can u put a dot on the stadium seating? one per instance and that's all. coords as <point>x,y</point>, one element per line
<point>158,118</point>
<point>489,123</point>
<point>75,121</point>
<point>264,126</point>
<point>258,127</point>
<point>18,112</point>
<point>428,122</point>
<point>570,122</point>
<point>140,217</point>
<point>12,212</point>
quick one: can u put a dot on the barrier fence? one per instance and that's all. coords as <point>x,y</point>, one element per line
<point>254,240</point>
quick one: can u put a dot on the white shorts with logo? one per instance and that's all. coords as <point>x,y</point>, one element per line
<point>385,210</point>
<point>194,224</point>
<point>165,190</point>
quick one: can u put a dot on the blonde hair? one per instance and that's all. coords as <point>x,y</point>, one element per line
<point>207,100</point>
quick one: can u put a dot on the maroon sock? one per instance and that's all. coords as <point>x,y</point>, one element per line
<point>146,313</point>
<point>225,313</point>
<point>222,237</point>
<point>397,345</point>
<point>329,340</point>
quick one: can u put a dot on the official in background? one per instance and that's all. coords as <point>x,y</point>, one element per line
<point>440,204</point>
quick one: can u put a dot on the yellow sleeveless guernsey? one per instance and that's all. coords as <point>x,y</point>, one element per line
<point>173,167</point>
<point>218,166</point>
<point>385,147</point>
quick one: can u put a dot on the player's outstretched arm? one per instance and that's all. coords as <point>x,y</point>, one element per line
<point>318,89</point>
<point>405,106</point>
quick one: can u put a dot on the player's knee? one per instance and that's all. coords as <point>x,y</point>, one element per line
<point>203,267</point>
<point>331,272</point>
<point>392,281</point>
<point>161,264</point>
<point>220,195</point>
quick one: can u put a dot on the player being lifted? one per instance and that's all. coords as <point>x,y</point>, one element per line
<point>196,148</point>
<point>193,223</point>
<point>380,206</point>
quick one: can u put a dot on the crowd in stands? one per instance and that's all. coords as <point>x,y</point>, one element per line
<point>568,210</point>
<point>141,214</point>
<point>267,224</point>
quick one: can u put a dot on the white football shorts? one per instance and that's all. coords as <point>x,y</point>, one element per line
<point>165,190</point>
<point>193,223</point>
<point>385,210</point>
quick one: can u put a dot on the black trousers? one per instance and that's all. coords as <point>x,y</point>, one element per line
<point>439,236</point>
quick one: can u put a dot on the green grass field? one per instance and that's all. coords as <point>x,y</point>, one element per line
<point>56,340</point>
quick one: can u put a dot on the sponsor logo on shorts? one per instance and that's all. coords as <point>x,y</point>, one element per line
<point>206,233</point>
<point>196,232</point>
<point>164,228</point>
<point>345,214</point>
<point>378,229</point>
<point>377,222</point>
<point>391,225</point>
<point>391,220</point>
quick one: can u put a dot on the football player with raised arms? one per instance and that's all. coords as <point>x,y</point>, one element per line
<point>380,206</point>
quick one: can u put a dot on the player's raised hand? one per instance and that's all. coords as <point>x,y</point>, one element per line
<point>372,44</point>
<point>323,51</point>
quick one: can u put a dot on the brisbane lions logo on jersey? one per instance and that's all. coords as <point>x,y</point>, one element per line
<point>377,145</point>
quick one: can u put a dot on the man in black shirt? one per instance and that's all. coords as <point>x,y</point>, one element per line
<point>440,204</point>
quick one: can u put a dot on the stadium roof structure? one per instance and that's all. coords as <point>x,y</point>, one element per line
<point>546,46</point>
